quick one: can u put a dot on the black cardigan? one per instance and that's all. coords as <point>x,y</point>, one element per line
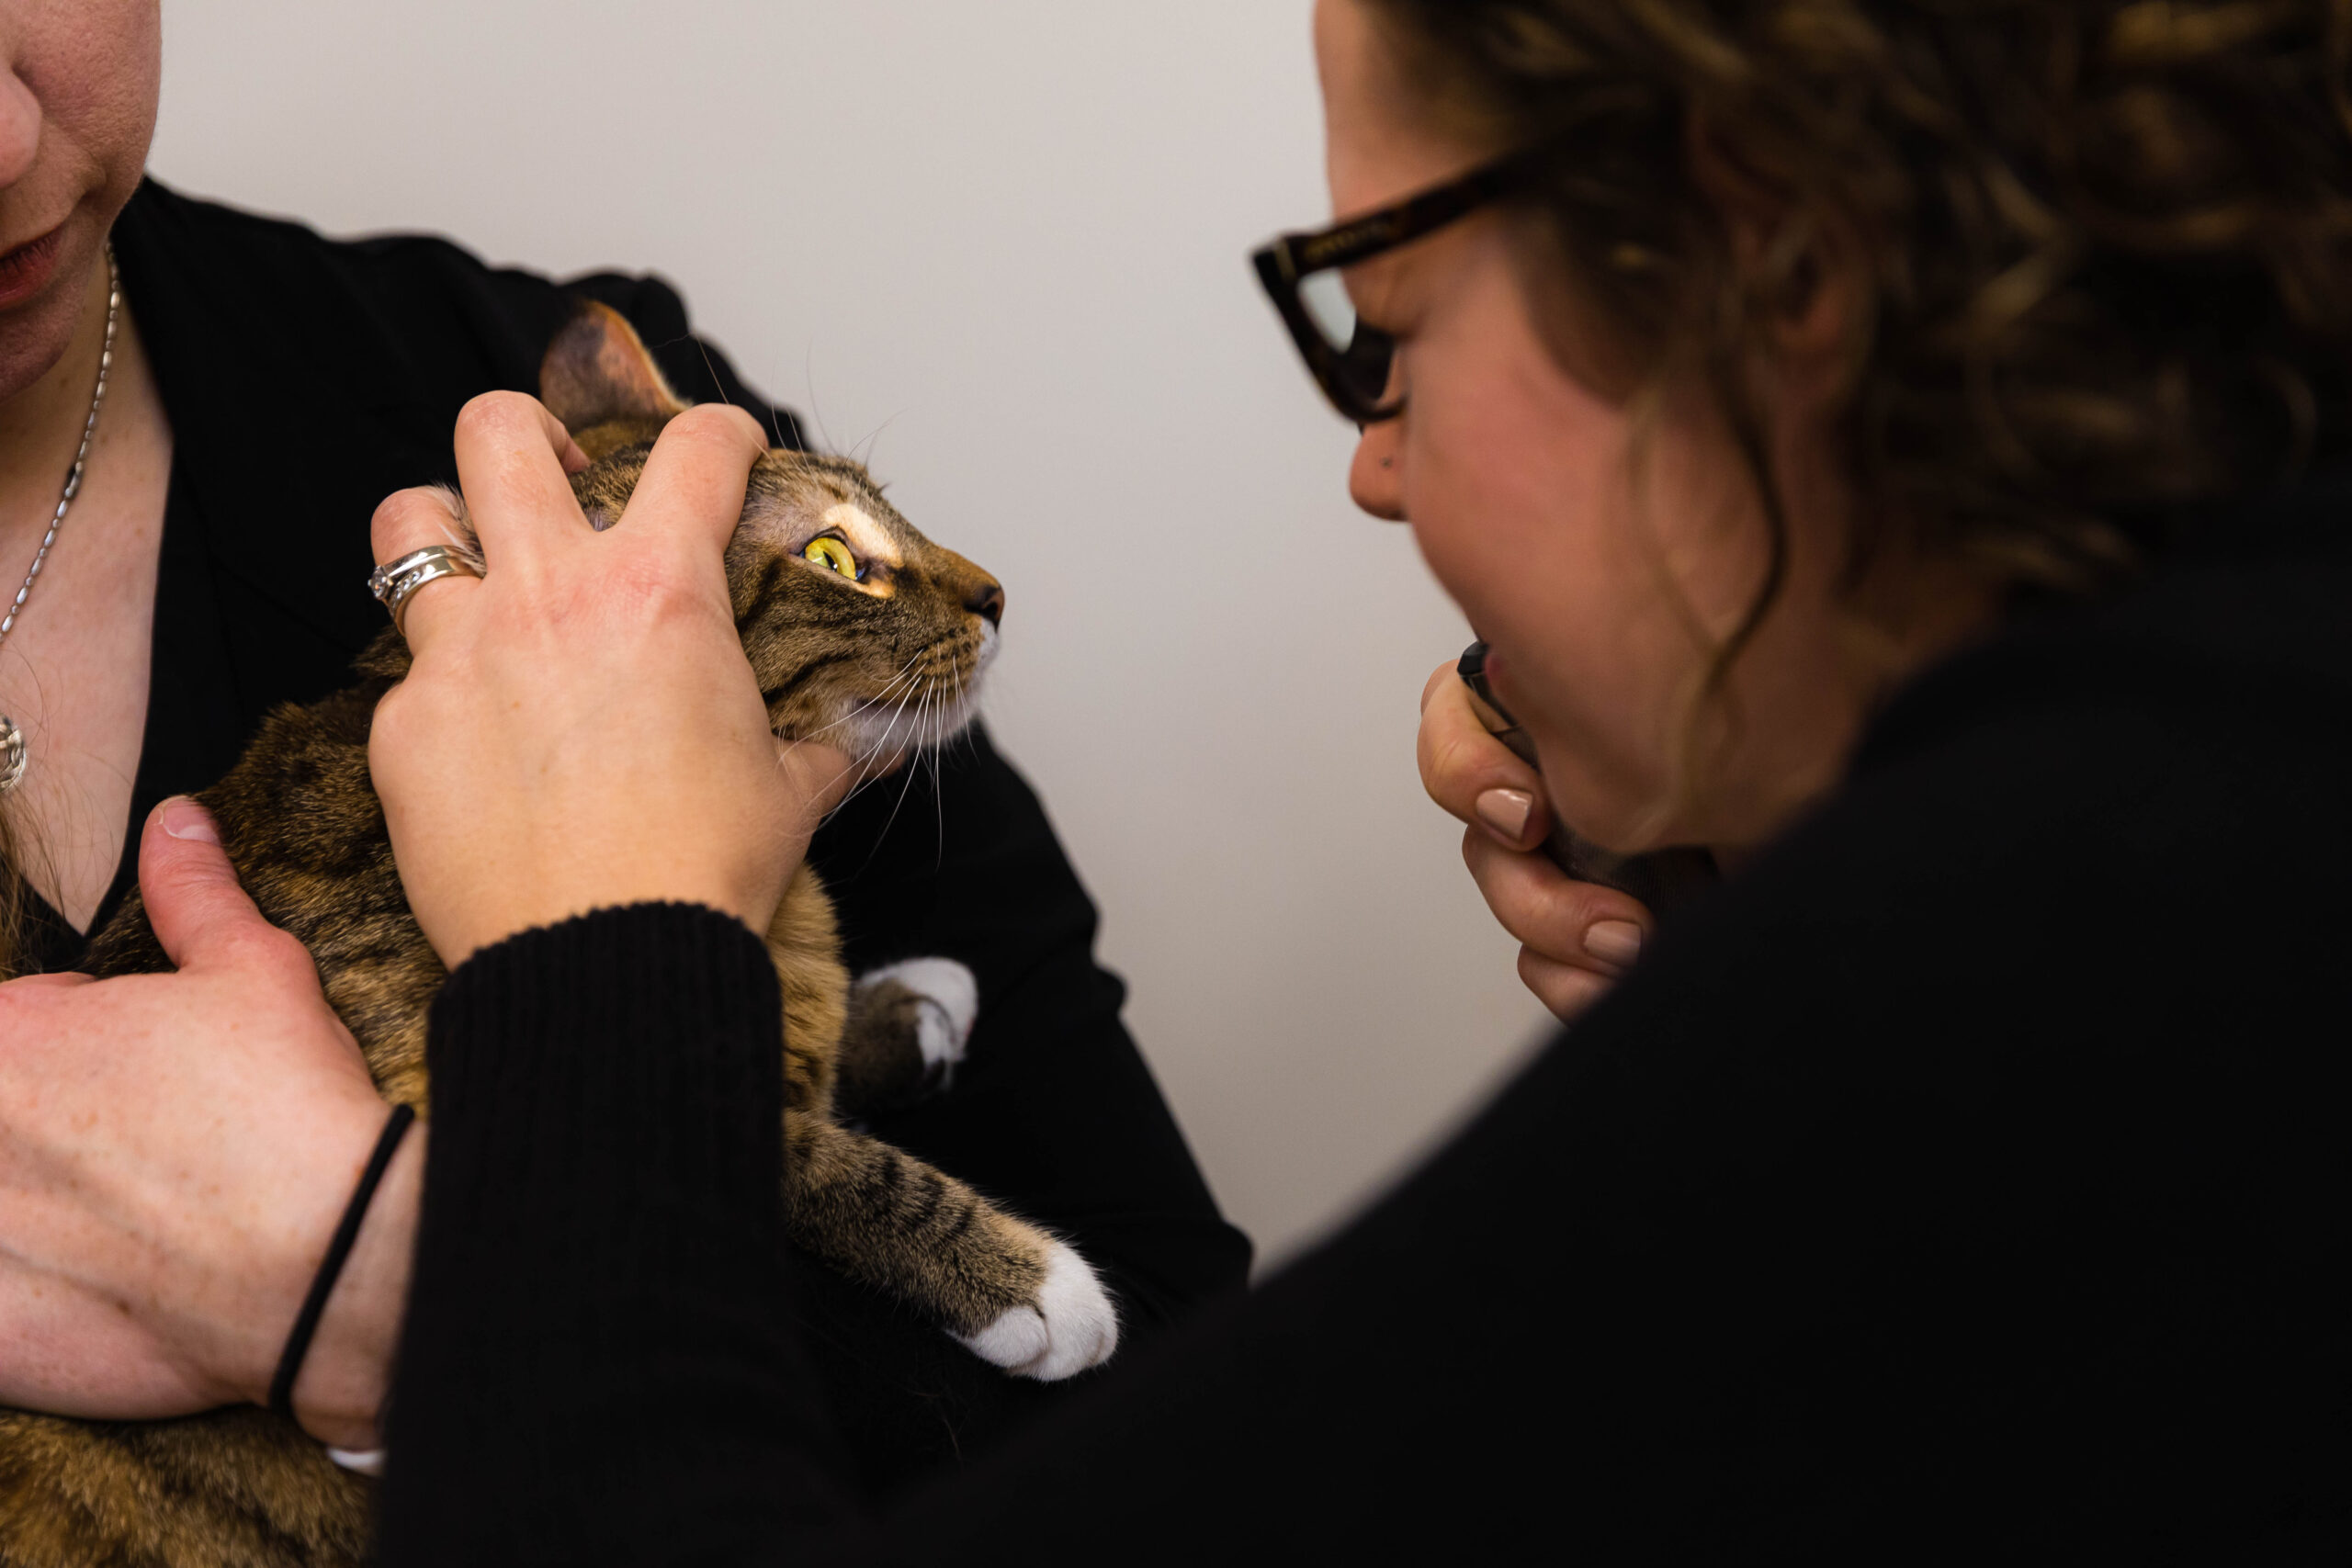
<point>307,378</point>
<point>1966,1181</point>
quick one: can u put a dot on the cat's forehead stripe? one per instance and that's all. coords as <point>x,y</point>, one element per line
<point>868,538</point>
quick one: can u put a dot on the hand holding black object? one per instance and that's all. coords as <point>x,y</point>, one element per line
<point>1579,925</point>
<point>1661,878</point>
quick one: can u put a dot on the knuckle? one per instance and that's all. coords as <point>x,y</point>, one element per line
<point>401,714</point>
<point>1435,733</point>
<point>716,427</point>
<point>714,422</point>
<point>1569,911</point>
<point>658,587</point>
<point>1569,901</point>
<point>265,946</point>
<point>385,725</point>
<point>406,512</point>
<point>487,413</point>
<point>1458,762</point>
<point>703,423</point>
<point>633,587</point>
<point>1449,784</point>
<point>1578,906</point>
<point>1476,853</point>
<point>1565,991</point>
<point>1434,684</point>
<point>1539,975</point>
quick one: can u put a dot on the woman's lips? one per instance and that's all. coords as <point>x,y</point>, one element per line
<point>26,271</point>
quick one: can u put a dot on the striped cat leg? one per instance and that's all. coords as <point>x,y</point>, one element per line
<point>1004,1289</point>
<point>906,1032</point>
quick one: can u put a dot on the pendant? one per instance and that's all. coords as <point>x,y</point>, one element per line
<point>12,754</point>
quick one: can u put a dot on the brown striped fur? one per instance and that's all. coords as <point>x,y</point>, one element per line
<point>858,661</point>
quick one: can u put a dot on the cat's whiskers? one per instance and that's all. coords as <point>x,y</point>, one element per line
<point>938,805</point>
<point>878,749</point>
<point>862,757</point>
<point>924,706</point>
<point>929,690</point>
<point>879,699</point>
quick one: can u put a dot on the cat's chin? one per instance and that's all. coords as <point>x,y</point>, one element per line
<point>906,729</point>
<point>888,733</point>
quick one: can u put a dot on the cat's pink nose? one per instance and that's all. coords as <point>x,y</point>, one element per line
<point>986,599</point>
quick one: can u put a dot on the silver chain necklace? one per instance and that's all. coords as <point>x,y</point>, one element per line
<point>12,740</point>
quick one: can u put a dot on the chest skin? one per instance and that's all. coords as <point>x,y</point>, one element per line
<point>74,672</point>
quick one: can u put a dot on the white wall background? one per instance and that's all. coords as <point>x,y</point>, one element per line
<point>1005,243</point>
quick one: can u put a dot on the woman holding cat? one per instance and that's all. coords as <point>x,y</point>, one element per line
<point>1905,448</point>
<point>263,390</point>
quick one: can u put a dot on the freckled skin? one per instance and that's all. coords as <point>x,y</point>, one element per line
<point>300,820</point>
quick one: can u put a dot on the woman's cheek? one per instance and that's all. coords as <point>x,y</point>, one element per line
<point>1476,528</point>
<point>1454,557</point>
<point>1592,658</point>
<point>1519,487</point>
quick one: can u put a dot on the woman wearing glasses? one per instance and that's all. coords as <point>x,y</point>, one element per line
<point>1896,451</point>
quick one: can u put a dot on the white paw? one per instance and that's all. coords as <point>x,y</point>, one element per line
<point>1073,1327</point>
<point>951,1000</point>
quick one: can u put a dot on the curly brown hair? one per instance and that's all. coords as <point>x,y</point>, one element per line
<point>2104,245</point>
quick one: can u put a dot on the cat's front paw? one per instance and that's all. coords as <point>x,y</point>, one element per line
<point>1072,1326</point>
<point>948,1001</point>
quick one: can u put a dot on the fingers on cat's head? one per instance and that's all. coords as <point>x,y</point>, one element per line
<point>599,380</point>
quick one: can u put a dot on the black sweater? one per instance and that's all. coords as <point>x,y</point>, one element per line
<point>305,378</point>
<point>1967,1179</point>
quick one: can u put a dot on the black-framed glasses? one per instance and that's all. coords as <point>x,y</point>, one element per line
<point>1350,360</point>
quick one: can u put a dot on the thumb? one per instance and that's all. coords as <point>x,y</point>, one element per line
<point>189,886</point>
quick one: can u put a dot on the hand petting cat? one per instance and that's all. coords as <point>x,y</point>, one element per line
<point>1577,937</point>
<point>581,728</point>
<point>589,736</point>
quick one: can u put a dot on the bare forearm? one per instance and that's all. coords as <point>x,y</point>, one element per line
<point>348,1371</point>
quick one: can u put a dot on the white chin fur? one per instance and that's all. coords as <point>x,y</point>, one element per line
<point>911,728</point>
<point>915,726</point>
<point>1073,1327</point>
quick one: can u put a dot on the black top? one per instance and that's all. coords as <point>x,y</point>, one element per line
<point>305,379</point>
<point>1967,1179</point>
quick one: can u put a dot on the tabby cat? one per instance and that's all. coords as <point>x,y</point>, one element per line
<point>859,630</point>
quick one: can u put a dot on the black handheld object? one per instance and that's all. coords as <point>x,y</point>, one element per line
<point>1660,879</point>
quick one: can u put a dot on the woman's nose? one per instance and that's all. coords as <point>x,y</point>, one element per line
<point>1376,477</point>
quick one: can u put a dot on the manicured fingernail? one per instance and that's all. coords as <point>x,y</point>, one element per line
<point>1614,941</point>
<point>1505,810</point>
<point>184,819</point>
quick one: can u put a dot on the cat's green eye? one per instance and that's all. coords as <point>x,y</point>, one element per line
<point>830,551</point>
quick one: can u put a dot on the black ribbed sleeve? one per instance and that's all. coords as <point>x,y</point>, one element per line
<point>1964,1180</point>
<point>594,1368</point>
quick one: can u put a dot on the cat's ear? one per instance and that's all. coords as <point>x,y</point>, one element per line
<point>598,379</point>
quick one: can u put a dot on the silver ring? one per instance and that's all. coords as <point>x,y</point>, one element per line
<point>394,582</point>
